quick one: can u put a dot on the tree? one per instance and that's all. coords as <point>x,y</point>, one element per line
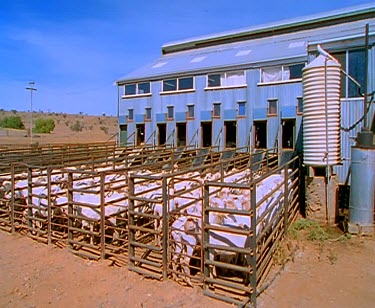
<point>12,122</point>
<point>44,126</point>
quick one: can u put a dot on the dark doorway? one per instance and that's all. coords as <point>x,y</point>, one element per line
<point>123,135</point>
<point>288,133</point>
<point>260,137</point>
<point>230,134</point>
<point>162,133</point>
<point>206,134</point>
<point>140,134</point>
<point>181,134</point>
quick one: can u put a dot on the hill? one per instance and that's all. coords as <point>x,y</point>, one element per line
<point>69,128</point>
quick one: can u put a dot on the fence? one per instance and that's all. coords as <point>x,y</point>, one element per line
<point>152,210</point>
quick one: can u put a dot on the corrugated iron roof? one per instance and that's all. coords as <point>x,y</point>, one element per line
<point>244,54</point>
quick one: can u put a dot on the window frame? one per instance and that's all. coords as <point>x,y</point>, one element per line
<point>137,94</point>
<point>345,82</point>
<point>241,103</point>
<point>214,110</point>
<point>225,86</point>
<point>269,108</point>
<point>299,107</point>
<point>282,81</point>
<point>177,90</point>
<point>168,113</point>
<point>148,114</point>
<point>188,114</point>
<point>130,115</point>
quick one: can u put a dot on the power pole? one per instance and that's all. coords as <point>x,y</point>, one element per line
<point>31,88</point>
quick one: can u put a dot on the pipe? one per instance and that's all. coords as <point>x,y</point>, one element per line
<point>365,79</point>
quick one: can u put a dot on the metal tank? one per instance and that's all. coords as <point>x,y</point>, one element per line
<point>321,112</point>
<point>361,204</point>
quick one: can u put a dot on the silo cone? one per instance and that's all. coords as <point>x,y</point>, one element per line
<point>361,204</point>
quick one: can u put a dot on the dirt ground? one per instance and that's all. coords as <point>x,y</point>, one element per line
<point>336,274</point>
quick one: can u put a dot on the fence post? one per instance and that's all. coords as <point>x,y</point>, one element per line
<point>102,216</point>
<point>29,198</point>
<point>253,245</point>
<point>12,198</point>
<point>70,209</point>
<point>131,221</point>
<point>286,198</point>
<point>165,228</point>
<point>206,252</point>
<point>49,211</point>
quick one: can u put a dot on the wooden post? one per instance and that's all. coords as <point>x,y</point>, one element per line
<point>49,205</point>
<point>102,216</point>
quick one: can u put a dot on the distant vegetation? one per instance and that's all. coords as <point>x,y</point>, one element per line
<point>44,126</point>
<point>14,122</point>
<point>76,126</point>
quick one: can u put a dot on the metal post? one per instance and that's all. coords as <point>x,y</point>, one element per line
<point>102,216</point>
<point>49,227</point>
<point>253,245</point>
<point>365,79</point>
<point>70,209</point>
<point>12,198</point>
<point>165,228</point>
<point>286,199</point>
<point>31,88</point>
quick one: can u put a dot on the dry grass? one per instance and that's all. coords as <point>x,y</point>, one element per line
<point>90,128</point>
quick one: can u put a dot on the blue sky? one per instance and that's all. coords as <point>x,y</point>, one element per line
<point>75,50</point>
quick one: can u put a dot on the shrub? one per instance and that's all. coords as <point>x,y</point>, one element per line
<point>104,129</point>
<point>44,126</point>
<point>12,122</point>
<point>76,126</point>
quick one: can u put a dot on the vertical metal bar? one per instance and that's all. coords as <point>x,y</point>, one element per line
<point>253,246</point>
<point>206,252</point>
<point>165,228</point>
<point>49,205</point>
<point>286,198</point>
<point>29,196</point>
<point>102,216</point>
<point>12,198</point>
<point>365,78</point>
<point>267,162</point>
<point>70,209</point>
<point>131,221</point>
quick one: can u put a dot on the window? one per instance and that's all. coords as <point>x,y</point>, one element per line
<point>216,111</point>
<point>130,114</point>
<point>190,112</point>
<point>281,73</point>
<point>352,61</point>
<point>137,88</point>
<point>299,105</point>
<point>170,112</point>
<point>178,84</point>
<point>241,109</point>
<point>272,107</point>
<point>148,113</point>
<point>229,79</point>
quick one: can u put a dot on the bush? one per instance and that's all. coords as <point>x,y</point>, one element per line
<point>104,129</point>
<point>76,126</point>
<point>44,126</point>
<point>12,122</point>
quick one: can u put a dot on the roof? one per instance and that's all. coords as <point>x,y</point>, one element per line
<point>289,46</point>
<point>286,25</point>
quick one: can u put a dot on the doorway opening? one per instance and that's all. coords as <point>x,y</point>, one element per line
<point>181,134</point>
<point>140,128</point>
<point>230,134</point>
<point>288,133</point>
<point>162,133</point>
<point>260,131</point>
<point>206,129</point>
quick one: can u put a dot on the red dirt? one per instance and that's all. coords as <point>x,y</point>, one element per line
<point>340,274</point>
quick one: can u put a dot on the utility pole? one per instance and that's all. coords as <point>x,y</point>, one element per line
<point>31,88</point>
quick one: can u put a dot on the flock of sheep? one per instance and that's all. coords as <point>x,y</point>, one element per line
<point>92,200</point>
